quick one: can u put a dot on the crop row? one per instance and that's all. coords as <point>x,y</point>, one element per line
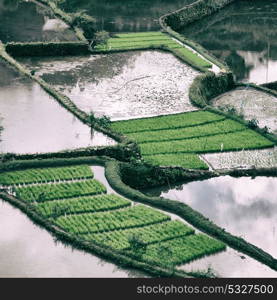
<point>46,192</point>
<point>224,126</point>
<point>134,216</point>
<point>103,202</point>
<point>185,160</point>
<point>45,175</point>
<point>247,139</point>
<point>166,122</point>
<point>182,250</point>
<point>119,239</point>
<point>140,34</point>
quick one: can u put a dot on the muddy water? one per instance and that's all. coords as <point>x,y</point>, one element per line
<point>35,122</point>
<point>122,85</point>
<point>252,104</point>
<point>244,35</point>
<point>28,22</point>
<point>126,16</point>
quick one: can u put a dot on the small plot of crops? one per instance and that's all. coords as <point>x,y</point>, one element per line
<point>148,40</point>
<point>45,175</point>
<point>182,250</point>
<point>46,192</point>
<point>120,239</point>
<point>97,203</point>
<point>175,140</point>
<point>135,216</point>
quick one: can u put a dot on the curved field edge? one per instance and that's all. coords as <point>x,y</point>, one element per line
<point>112,172</point>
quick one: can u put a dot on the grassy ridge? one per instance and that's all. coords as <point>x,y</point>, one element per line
<point>46,192</point>
<point>45,175</point>
<point>135,216</point>
<point>146,40</point>
<point>119,239</point>
<point>82,204</point>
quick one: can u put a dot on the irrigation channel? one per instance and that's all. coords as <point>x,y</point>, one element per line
<point>150,89</point>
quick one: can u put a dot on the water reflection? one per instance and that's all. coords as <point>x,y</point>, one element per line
<point>28,251</point>
<point>243,206</point>
<point>34,22</point>
<point>35,122</point>
<point>122,16</point>
<point>244,35</point>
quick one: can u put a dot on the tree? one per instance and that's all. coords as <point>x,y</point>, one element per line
<point>100,38</point>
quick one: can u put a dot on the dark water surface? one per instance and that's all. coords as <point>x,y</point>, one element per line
<point>34,122</point>
<point>243,206</point>
<point>28,22</point>
<point>244,35</point>
<point>126,15</point>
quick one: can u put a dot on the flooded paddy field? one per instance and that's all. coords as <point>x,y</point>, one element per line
<point>265,158</point>
<point>125,85</point>
<point>35,122</point>
<point>243,206</point>
<point>244,35</point>
<point>252,104</point>
<point>122,16</point>
<point>31,22</point>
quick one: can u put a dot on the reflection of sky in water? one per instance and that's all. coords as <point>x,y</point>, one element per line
<point>122,85</point>
<point>35,122</point>
<point>28,251</point>
<point>244,207</point>
<point>244,35</point>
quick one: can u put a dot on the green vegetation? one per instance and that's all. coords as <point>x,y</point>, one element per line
<point>224,126</point>
<point>44,192</point>
<point>97,203</point>
<point>182,250</point>
<point>45,175</point>
<point>134,216</point>
<point>185,160</point>
<point>150,40</point>
<point>246,139</point>
<point>166,122</point>
<point>119,239</point>
<point>173,140</point>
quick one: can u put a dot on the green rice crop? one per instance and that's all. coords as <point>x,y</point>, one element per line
<point>45,175</point>
<point>166,122</point>
<point>82,204</point>
<point>118,239</point>
<point>247,139</point>
<point>135,216</point>
<point>185,160</point>
<point>46,192</point>
<point>224,126</point>
<point>140,34</point>
<point>182,250</point>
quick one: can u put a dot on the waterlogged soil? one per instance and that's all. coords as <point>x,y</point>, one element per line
<point>252,104</point>
<point>122,85</point>
<point>266,158</point>
<point>126,16</point>
<point>244,35</point>
<point>35,122</point>
<point>244,207</point>
<point>30,22</point>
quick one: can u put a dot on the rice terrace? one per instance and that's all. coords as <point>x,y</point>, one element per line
<point>138,138</point>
